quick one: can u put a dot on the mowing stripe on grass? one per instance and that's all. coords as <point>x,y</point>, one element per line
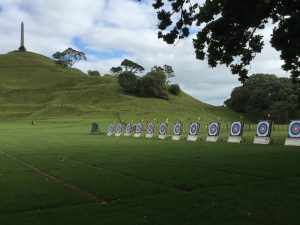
<point>127,175</point>
<point>86,193</point>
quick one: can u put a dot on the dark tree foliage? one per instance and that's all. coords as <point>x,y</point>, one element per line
<point>153,84</point>
<point>228,30</point>
<point>131,66</point>
<point>94,73</point>
<point>68,57</point>
<point>168,70</point>
<point>263,94</point>
<point>174,89</point>
<point>116,70</point>
<point>128,81</point>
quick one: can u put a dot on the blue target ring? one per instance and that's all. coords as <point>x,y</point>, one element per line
<point>128,128</point>
<point>150,128</point>
<point>295,129</point>
<point>110,128</point>
<point>177,129</point>
<point>213,129</point>
<point>138,128</point>
<point>163,129</point>
<point>194,129</point>
<point>235,129</point>
<point>263,129</point>
<point>119,128</point>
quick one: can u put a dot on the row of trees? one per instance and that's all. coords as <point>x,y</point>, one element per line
<point>155,83</point>
<point>264,94</point>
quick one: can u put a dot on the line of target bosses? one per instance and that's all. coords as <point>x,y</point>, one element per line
<point>263,131</point>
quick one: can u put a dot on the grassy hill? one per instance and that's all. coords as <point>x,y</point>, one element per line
<point>33,86</point>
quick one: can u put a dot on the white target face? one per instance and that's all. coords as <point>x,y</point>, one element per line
<point>263,129</point>
<point>128,128</point>
<point>194,129</point>
<point>110,128</point>
<point>119,128</point>
<point>236,129</point>
<point>138,128</point>
<point>213,129</point>
<point>163,129</point>
<point>177,129</point>
<point>150,128</point>
<point>294,129</point>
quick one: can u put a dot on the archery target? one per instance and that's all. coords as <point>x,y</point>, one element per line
<point>213,129</point>
<point>294,129</point>
<point>236,129</point>
<point>150,128</point>
<point>194,129</point>
<point>163,129</point>
<point>110,128</point>
<point>119,128</point>
<point>128,128</point>
<point>139,128</point>
<point>263,129</point>
<point>177,129</point>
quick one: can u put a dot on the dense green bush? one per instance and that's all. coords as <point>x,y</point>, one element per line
<point>174,89</point>
<point>128,81</point>
<point>264,94</point>
<point>153,84</point>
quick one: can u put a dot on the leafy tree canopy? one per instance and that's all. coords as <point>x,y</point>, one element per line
<point>229,30</point>
<point>262,94</point>
<point>131,66</point>
<point>168,70</point>
<point>128,81</point>
<point>68,57</point>
<point>116,70</point>
<point>94,73</point>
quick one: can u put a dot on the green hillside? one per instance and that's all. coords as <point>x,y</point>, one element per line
<point>33,86</point>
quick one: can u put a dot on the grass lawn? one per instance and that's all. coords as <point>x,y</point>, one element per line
<point>56,173</point>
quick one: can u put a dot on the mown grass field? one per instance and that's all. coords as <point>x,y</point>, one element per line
<point>55,172</point>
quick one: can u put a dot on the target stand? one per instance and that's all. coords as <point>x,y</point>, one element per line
<point>128,130</point>
<point>150,130</point>
<point>213,132</point>
<point>138,130</point>
<point>293,138</point>
<point>236,132</point>
<point>263,133</point>
<point>118,130</point>
<point>110,130</point>
<point>177,131</point>
<point>193,132</point>
<point>163,128</point>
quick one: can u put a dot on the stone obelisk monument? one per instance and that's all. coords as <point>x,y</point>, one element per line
<point>22,47</point>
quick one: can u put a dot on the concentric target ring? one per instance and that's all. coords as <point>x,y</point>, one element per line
<point>177,129</point>
<point>213,129</point>
<point>128,128</point>
<point>163,129</point>
<point>236,128</point>
<point>263,128</point>
<point>294,129</point>
<point>138,128</point>
<point>110,128</point>
<point>119,128</point>
<point>193,129</point>
<point>150,128</point>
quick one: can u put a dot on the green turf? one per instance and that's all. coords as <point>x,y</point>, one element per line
<point>143,181</point>
<point>55,172</point>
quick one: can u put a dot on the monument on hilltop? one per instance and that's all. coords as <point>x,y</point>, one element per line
<point>22,47</point>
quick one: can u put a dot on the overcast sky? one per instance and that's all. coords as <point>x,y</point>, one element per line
<point>109,31</point>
